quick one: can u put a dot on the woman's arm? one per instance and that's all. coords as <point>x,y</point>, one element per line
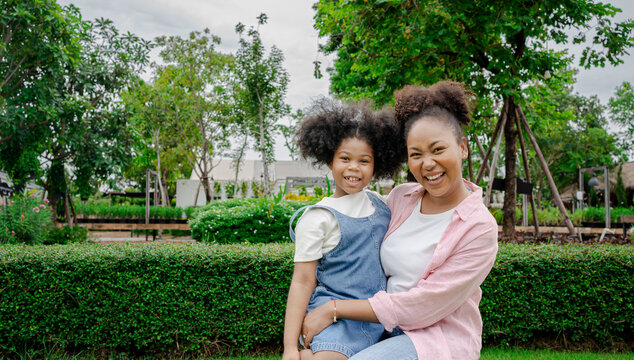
<point>302,286</point>
<point>323,316</point>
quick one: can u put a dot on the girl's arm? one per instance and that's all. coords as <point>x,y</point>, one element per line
<point>302,287</point>
<point>323,316</point>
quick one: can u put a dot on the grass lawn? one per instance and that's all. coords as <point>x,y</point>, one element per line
<point>508,354</point>
<point>487,354</point>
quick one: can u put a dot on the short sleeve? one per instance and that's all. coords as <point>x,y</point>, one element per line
<point>313,229</point>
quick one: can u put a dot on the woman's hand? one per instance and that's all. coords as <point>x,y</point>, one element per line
<point>317,320</point>
<point>292,354</point>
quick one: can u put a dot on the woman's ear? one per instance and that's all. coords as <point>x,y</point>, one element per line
<point>464,148</point>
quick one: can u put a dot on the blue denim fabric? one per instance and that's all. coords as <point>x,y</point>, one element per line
<point>395,345</point>
<point>351,270</point>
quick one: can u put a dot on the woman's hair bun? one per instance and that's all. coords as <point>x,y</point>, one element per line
<point>412,101</point>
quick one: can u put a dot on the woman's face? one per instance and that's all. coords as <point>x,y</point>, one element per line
<point>435,157</point>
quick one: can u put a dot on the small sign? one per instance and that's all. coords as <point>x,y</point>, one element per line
<point>523,187</point>
<point>5,190</point>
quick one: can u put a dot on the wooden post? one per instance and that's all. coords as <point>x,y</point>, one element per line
<point>481,151</point>
<point>495,134</point>
<point>551,182</point>
<point>498,141</point>
<point>527,173</point>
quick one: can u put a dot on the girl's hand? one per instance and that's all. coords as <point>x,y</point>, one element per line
<point>317,320</point>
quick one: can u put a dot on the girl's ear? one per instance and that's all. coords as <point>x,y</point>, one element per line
<point>330,165</point>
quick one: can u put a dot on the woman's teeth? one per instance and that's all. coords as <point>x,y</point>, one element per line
<point>432,178</point>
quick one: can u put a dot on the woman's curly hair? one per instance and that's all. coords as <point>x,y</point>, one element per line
<point>330,122</point>
<point>448,100</point>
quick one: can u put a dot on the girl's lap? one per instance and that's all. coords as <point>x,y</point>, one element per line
<point>396,347</point>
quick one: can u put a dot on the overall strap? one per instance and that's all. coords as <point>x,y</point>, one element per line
<point>290,223</point>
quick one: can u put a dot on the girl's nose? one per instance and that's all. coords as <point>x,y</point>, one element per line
<point>428,163</point>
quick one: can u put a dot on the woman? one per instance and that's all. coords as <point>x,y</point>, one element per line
<point>440,245</point>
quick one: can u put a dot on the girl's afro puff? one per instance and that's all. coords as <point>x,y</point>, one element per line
<point>330,122</point>
<point>413,101</point>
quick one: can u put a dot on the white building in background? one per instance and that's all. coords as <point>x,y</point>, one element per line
<point>291,173</point>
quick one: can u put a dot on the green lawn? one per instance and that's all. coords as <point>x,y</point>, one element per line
<point>508,354</point>
<point>487,354</point>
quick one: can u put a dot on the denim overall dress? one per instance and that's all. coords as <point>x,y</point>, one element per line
<point>351,270</point>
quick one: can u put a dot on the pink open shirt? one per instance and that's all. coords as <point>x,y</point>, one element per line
<point>440,314</point>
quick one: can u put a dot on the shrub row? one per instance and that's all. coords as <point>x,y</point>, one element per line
<point>248,220</point>
<point>551,216</point>
<point>158,298</point>
<point>127,211</point>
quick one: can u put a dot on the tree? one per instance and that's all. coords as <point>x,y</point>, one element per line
<point>193,84</point>
<point>496,47</point>
<point>288,132</point>
<point>89,134</point>
<point>154,146</point>
<point>39,41</point>
<point>622,110</point>
<point>260,88</point>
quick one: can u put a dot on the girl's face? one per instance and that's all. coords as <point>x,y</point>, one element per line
<point>352,166</point>
<point>435,158</point>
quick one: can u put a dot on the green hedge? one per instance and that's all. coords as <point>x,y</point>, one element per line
<point>156,298</point>
<point>128,211</point>
<point>247,220</point>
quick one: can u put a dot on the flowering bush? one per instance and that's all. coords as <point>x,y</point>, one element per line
<point>24,219</point>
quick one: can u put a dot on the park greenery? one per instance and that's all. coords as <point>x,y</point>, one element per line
<point>76,116</point>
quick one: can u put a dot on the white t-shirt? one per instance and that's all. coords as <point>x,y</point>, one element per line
<point>406,252</point>
<point>317,230</point>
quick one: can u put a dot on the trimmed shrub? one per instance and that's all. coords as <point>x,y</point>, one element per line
<point>221,298</point>
<point>576,293</point>
<point>25,220</point>
<point>245,220</point>
<point>67,234</point>
<point>143,298</point>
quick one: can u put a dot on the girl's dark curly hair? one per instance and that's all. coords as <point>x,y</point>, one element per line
<point>445,100</point>
<point>329,123</point>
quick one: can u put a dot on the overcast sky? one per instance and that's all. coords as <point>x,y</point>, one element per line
<point>290,28</point>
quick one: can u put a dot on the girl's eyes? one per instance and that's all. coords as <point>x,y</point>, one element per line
<point>440,148</point>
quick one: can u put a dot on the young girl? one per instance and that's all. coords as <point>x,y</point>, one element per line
<point>338,239</point>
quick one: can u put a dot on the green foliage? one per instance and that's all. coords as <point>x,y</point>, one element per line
<point>580,293</point>
<point>25,220</point>
<point>150,299</point>
<point>622,109</point>
<point>128,211</point>
<point>67,234</point>
<point>597,214</point>
<point>244,220</point>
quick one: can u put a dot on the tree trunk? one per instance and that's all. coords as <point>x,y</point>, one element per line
<point>510,183</point>
<point>263,154</point>
<point>238,161</point>
<point>527,173</point>
<point>206,187</point>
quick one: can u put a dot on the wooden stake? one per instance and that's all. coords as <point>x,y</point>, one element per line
<point>551,182</point>
<point>487,196</point>
<point>481,151</point>
<point>527,173</point>
<point>495,134</point>
<point>470,165</point>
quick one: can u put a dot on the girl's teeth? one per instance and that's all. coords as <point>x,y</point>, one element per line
<point>434,177</point>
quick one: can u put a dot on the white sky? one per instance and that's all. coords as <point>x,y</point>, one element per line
<point>290,28</point>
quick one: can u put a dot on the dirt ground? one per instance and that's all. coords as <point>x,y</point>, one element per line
<point>118,237</point>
